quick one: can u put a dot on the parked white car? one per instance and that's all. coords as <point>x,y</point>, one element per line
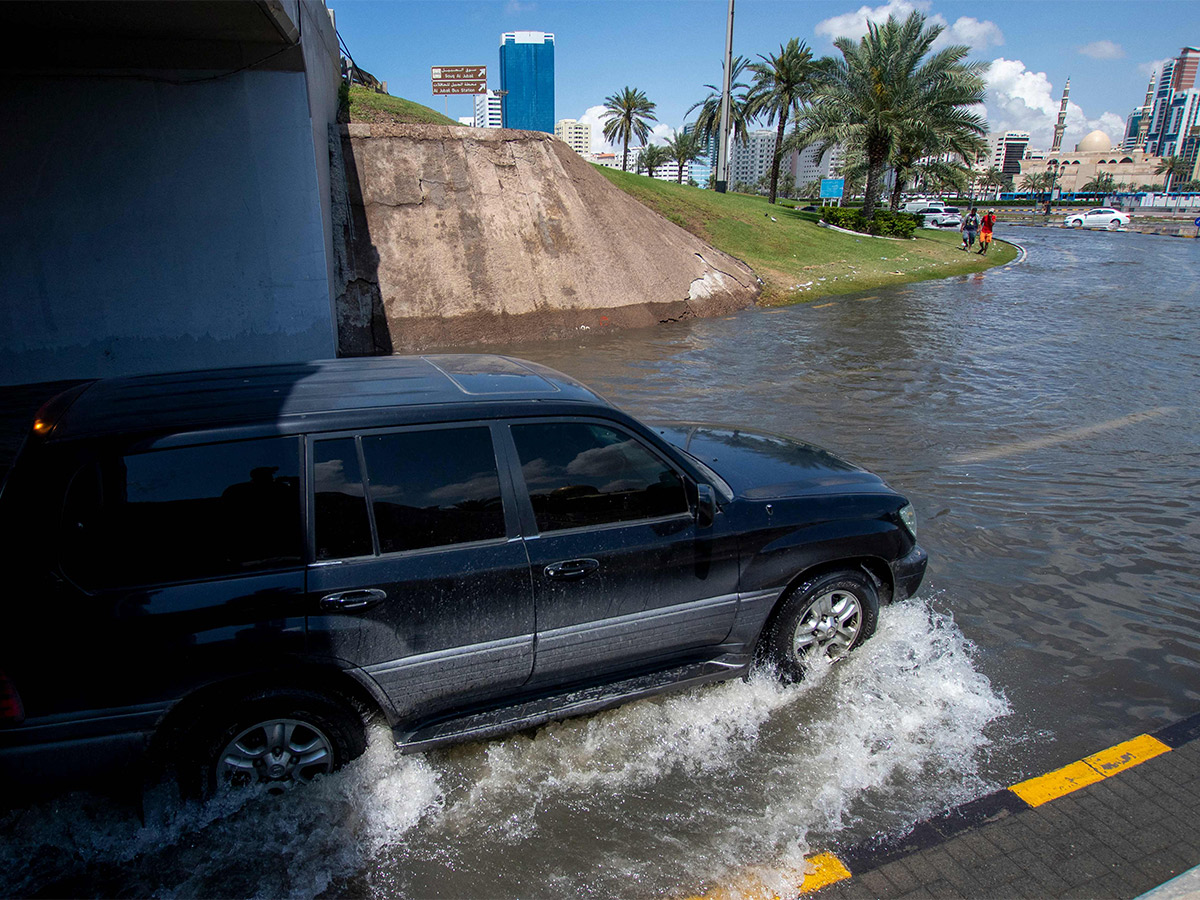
<point>939,217</point>
<point>1101,217</point>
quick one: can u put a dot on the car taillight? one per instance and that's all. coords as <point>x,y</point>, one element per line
<point>12,711</point>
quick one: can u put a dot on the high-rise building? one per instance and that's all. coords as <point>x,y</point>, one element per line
<point>751,159</point>
<point>487,110</point>
<point>527,80</point>
<point>1007,150</point>
<point>702,167</point>
<point>1176,105</point>
<point>575,134</point>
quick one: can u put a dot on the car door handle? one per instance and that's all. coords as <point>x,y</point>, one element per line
<point>345,601</point>
<point>572,569</point>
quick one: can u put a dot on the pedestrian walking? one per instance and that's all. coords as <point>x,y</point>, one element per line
<point>986,224</point>
<point>969,226</point>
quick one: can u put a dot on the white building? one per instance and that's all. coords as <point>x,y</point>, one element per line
<point>575,134</point>
<point>808,167</point>
<point>487,110</point>
<point>751,159</point>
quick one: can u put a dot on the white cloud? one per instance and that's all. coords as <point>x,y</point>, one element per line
<point>1153,67</point>
<point>661,133</point>
<point>976,34</point>
<point>1102,50</point>
<point>1021,100</point>
<point>595,117</point>
<point>515,7</point>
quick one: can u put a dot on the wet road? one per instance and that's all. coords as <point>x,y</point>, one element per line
<point>1041,417</point>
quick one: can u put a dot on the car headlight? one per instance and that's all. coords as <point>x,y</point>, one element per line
<point>908,516</point>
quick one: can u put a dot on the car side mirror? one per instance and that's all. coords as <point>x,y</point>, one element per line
<point>706,505</point>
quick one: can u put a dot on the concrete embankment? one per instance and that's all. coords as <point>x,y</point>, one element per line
<point>460,235</point>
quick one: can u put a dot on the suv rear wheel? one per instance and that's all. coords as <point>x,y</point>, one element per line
<point>827,616</point>
<point>279,738</point>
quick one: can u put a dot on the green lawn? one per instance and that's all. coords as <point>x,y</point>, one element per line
<point>367,106</point>
<point>797,259</point>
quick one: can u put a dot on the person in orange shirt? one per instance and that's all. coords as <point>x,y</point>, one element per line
<point>985,231</point>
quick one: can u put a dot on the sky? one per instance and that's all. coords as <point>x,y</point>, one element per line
<point>670,49</point>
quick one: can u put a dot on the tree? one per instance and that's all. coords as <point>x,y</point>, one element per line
<point>787,185</point>
<point>1101,183</point>
<point>881,89</point>
<point>993,179</point>
<point>1173,167</point>
<point>627,115</point>
<point>1035,182</point>
<point>683,148</point>
<point>708,121</point>
<point>652,157</point>
<point>783,83</point>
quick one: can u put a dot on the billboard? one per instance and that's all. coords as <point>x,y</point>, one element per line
<point>459,79</point>
<point>832,187</point>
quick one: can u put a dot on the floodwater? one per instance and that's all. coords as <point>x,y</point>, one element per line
<point>1042,419</point>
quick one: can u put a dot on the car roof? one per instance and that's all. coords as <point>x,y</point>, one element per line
<point>313,393</point>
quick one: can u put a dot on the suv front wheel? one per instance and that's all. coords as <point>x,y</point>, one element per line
<point>827,616</point>
<point>277,738</point>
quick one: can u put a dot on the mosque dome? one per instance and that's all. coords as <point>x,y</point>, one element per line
<point>1096,142</point>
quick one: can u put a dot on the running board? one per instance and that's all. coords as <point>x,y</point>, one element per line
<point>530,714</point>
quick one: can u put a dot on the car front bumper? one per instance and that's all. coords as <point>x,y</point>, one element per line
<point>907,573</point>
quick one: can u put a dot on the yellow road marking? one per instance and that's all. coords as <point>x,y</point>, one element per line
<point>1126,755</point>
<point>824,305</point>
<point>828,870</point>
<point>1053,785</point>
<point>1089,770</point>
<point>1062,437</point>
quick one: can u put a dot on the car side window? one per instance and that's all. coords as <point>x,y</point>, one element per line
<point>339,501</point>
<point>183,514</point>
<point>432,488</point>
<point>580,474</point>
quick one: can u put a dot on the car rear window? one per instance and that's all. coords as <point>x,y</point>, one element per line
<point>183,514</point>
<point>580,474</point>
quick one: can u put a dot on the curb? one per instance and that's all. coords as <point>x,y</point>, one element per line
<point>823,869</point>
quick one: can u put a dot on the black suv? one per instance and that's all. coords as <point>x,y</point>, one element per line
<point>226,573</point>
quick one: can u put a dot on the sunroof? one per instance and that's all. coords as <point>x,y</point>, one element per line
<point>490,375</point>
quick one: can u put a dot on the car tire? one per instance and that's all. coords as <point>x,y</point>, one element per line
<point>277,737</point>
<point>1076,223</point>
<point>1114,225</point>
<point>828,615</point>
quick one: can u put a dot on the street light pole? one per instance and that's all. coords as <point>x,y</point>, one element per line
<point>722,179</point>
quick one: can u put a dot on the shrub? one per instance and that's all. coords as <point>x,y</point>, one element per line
<point>884,223</point>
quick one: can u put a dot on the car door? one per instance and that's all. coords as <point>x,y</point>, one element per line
<point>624,577</point>
<point>419,577</point>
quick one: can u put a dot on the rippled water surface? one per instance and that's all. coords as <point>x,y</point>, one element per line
<point>1042,419</point>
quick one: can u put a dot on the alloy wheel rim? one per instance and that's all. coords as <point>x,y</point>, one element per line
<point>829,627</point>
<point>276,751</point>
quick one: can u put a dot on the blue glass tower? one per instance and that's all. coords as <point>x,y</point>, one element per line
<point>527,80</point>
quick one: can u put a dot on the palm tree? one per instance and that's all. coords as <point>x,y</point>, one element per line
<point>884,86</point>
<point>1035,182</point>
<point>683,148</point>
<point>627,115</point>
<point>1172,167</point>
<point>1101,183</point>
<point>782,86</point>
<point>708,121</point>
<point>653,156</point>
<point>993,179</point>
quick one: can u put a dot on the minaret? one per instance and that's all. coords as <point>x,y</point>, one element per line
<point>1147,112</point>
<point>1062,119</point>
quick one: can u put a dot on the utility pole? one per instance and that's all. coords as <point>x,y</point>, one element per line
<point>722,179</point>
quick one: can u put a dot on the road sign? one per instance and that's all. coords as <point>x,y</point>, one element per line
<point>459,79</point>
<point>1197,223</point>
<point>832,187</point>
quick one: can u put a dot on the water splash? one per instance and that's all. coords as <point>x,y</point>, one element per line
<point>659,797</point>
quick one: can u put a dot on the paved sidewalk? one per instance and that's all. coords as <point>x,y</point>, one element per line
<point>1115,825</point>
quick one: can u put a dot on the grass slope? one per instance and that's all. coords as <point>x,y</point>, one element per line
<point>796,259</point>
<point>367,106</point>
